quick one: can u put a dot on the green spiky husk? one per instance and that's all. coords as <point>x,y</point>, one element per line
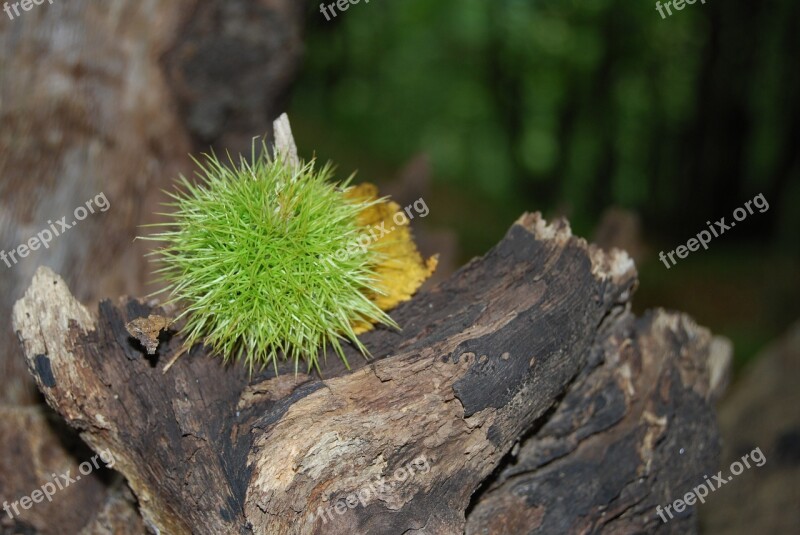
<point>253,255</point>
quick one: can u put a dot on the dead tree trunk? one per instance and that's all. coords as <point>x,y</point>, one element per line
<point>111,97</point>
<point>523,384</point>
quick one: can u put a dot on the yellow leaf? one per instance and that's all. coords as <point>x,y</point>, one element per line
<point>402,270</point>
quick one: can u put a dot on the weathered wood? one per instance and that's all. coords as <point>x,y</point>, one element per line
<point>112,97</point>
<point>84,108</point>
<point>484,360</point>
<point>230,67</point>
<point>37,449</point>
<point>761,411</point>
<point>634,431</point>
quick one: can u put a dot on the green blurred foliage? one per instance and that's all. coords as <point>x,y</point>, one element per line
<point>572,106</point>
<point>580,104</point>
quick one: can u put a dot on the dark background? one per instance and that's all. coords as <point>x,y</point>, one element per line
<point>574,107</point>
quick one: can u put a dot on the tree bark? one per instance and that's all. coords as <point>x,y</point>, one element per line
<point>523,384</point>
<point>111,97</point>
